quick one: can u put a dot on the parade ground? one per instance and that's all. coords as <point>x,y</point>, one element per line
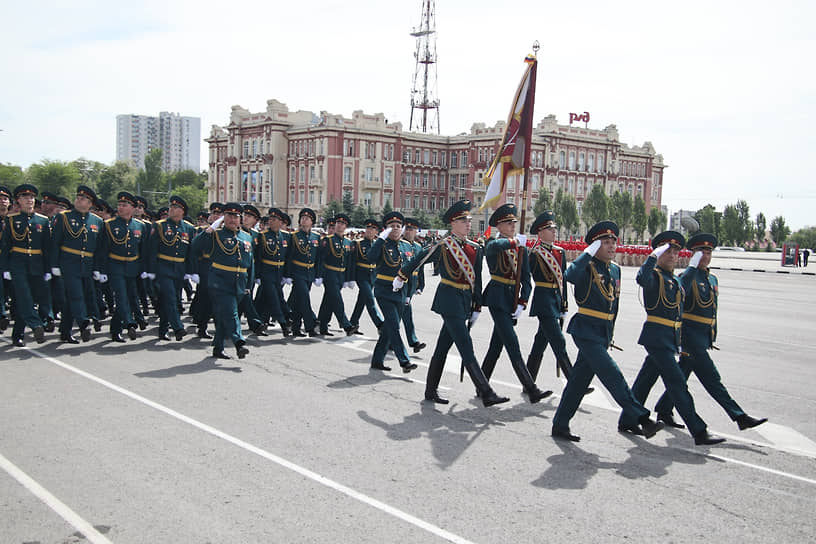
<point>157,442</point>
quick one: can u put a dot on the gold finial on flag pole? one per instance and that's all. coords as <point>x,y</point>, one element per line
<point>536,47</point>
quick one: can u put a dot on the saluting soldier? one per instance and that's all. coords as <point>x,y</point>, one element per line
<point>660,335</point>
<point>5,203</point>
<point>25,242</point>
<point>230,277</point>
<point>301,264</point>
<point>597,290</point>
<point>410,248</point>
<point>699,332</point>
<point>385,253</point>
<point>75,258</point>
<point>168,263</point>
<point>506,296</point>
<point>270,258</point>
<point>123,254</point>
<point>362,275</point>
<point>458,300</point>
<point>335,256</point>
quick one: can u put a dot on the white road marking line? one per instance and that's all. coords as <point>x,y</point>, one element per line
<point>750,465</point>
<point>787,438</point>
<point>349,492</point>
<point>54,503</point>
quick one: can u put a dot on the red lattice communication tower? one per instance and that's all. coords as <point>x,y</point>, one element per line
<point>423,92</point>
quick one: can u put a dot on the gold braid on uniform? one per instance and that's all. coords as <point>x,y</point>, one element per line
<point>67,226</point>
<point>171,243</point>
<point>303,249</point>
<point>663,299</point>
<point>545,270</point>
<point>698,301</point>
<point>360,250</point>
<point>597,279</point>
<point>266,246</point>
<point>224,249</point>
<point>19,237</point>
<point>331,247</point>
<point>506,262</point>
<point>387,257</point>
<point>113,238</point>
<point>455,272</point>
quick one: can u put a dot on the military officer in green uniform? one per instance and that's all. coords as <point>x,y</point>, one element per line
<point>49,207</point>
<point>597,290</point>
<point>410,248</point>
<point>230,277</point>
<point>26,237</point>
<point>301,263</point>
<point>506,296</point>
<point>168,264</point>
<point>458,300</point>
<point>270,257</point>
<point>335,257</point>
<point>246,307</point>
<point>201,307</point>
<point>660,335</point>
<point>5,203</point>
<point>362,274</point>
<point>123,257</point>
<point>75,257</point>
<point>698,333</point>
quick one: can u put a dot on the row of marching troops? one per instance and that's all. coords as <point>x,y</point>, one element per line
<point>228,257</point>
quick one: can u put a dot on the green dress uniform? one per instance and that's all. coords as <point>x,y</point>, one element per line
<point>415,283</point>
<point>302,262</point>
<point>75,244</point>
<point>362,273</point>
<point>335,256</point>
<point>169,246</point>
<point>270,259</point>
<point>246,306</point>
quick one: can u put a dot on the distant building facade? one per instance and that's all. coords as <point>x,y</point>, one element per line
<point>294,159</point>
<point>178,137</point>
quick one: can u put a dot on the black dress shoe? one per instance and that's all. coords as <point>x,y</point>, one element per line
<point>314,333</point>
<point>419,346</point>
<point>49,325</point>
<point>589,390</point>
<point>18,342</point>
<point>117,337</point>
<point>181,333</point>
<point>564,434</point>
<point>202,333</point>
<point>97,325</point>
<point>131,332</point>
<point>68,339</point>
<point>241,349</point>
<point>260,330</point>
<point>325,333</point>
<point>350,330</point>
<point>219,354</point>
<point>142,325</point>
<point>39,334</point>
<point>669,421</point>
<point>4,323</point>
<point>630,429</point>
<point>409,367</point>
<point>298,334</point>
<point>537,395</point>
<point>746,422</point>
<point>85,331</point>
<point>358,331</point>
<point>490,398</point>
<point>706,439</point>
<point>435,398</point>
<point>164,336</point>
<point>286,330</point>
<point>649,426</point>
<point>380,367</point>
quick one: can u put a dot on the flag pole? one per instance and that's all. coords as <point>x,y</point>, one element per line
<point>525,171</point>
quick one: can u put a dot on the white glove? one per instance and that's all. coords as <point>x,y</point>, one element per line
<point>318,281</point>
<point>660,250</point>
<point>695,259</point>
<point>96,275</point>
<point>258,281</point>
<point>187,277</point>
<point>350,284</point>
<point>407,301</point>
<point>473,317</point>
<point>47,276</point>
<point>402,231</point>
<point>518,311</point>
<point>143,275</point>
<point>56,271</point>
<point>397,283</point>
<point>522,239</point>
<point>151,275</point>
<point>593,248</point>
<point>217,223</point>
<point>418,292</point>
<point>7,275</point>
<point>103,278</point>
<point>286,281</point>
<point>563,315</point>
<point>384,234</point>
<point>195,278</point>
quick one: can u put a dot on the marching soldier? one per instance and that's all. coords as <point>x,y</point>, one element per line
<point>335,251</point>
<point>26,236</point>
<point>301,264</point>
<point>249,220</point>
<point>5,204</point>
<point>201,307</point>
<point>74,256</point>
<point>270,258</point>
<point>385,253</point>
<point>230,276</point>
<point>168,264</point>
<point>458,300</point>
<point>362,275</point>
<point>506,296</point>
<point>410,248</point>
<point>699,331</point>
<point>597,290</point>
<point>49,207</point>
<point>663,300</point>
<point>124,246</point>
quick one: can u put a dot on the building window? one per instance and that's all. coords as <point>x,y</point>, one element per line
<point>416,179</point>
<point>301,196</point>
<point>511,183</point>
<point>367,200</point>
<point>388,177</point>
<point>591,163</point>
<point>463,161</point>
<point>407,202</point>
<point>416,202</point>
<point>535,183</point>
<point>581,161</point>
<point>442,180</point>
<point>427,156</point>
<point>580,186</point>
<point>369,174</point>
<point>291,196</point>
<point>511,199</point>
<point>311,197</point>
<point>454,160</point>
<point>311,172</point>
<point>292,174</point>
<point>433,180</point>
<point>424,202</point>
<point>416,156</point>
<point>572,160</point>
<point>246,150</point>
<point>406,155</point>
<point>425,179</point>
<point>562,160</point>
<point>435,157</point>
<point>600,163</point>
<point>302,173</point>
<point>444,159</point>
<point>347,174</point>
<point>463,178</point>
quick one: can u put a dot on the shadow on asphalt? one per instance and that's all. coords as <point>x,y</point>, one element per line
<point>205,365</point>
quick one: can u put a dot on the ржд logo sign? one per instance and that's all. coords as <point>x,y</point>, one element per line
<point>579,117</point>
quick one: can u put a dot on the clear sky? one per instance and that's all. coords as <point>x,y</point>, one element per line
<point>722,89</point>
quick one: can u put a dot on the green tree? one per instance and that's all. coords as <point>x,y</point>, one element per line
<point>58,177</point>
<point>710,220</point>
<point>348,203</point>
<point>196,199</point>
<point>639,218</point>
<point>11,176</point>
<point>150,182</point>
<point>779,230</point>
<point>805,237</point>
<point>761,227</point>
<point>115,178</point>
<point>569,214</point>
<point>358,216</point>
<point>332,208</point>
<point>620,209</point>
<point>542,203</point>
<point>657,221</point>
<point>89,171</point>
<point>596,206</point>
<point>746,232</point>
<point>387,208</point>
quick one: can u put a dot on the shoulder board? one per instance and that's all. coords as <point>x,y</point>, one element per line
<point>93,214</point>
<point>138,220</point>
<point>160,221</point>
<point>41,216</point>
<point>109,220</point>
<point>13,215</point>
<point>188,223</point>
<point>63,212</point>
<point>559,248</point>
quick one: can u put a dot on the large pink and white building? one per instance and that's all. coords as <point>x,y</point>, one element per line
<point>295,159</point>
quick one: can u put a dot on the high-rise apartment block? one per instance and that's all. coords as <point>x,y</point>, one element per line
<point>178,137</point>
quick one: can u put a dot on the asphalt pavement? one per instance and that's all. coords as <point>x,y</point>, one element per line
<point>153,442</point>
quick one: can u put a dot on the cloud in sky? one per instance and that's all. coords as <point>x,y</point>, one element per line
<point>722,90</point>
